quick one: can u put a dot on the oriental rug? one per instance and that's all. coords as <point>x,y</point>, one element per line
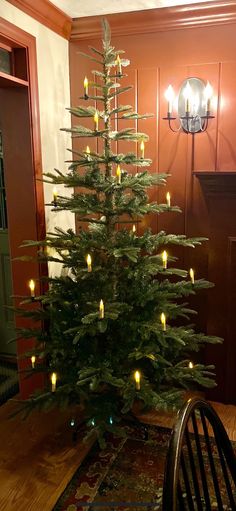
<point>128,470</point>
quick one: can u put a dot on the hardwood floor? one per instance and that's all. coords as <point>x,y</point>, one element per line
<point>38,458</point>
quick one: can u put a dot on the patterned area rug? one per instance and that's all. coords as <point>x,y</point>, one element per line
<point>127,470</point>
<point>9,385</point>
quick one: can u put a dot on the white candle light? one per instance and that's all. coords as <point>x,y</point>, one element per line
<point>163,321</point>
<point>142,149</point>
<point>33,359</point>
<point>164,259</point>
<point>118,174</point>
<point>191,273</point>
<point>89,262</point>
<point>55,195</point>
<point>86,87</point>
<point>168,199</point>
<point>118,63</point>
<point>137,377</point>
<point>54,381</point>
<point>101,310</point>
<point>96,121</point>
<point>87,151</point>
<point>32,288</point>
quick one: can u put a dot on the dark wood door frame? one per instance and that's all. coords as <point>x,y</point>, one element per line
<point>35,214</point>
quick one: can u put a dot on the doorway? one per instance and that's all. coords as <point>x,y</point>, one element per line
<point>9,385</point>
<point>21,199</point>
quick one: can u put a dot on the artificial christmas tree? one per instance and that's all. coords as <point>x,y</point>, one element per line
<point>111,332</point>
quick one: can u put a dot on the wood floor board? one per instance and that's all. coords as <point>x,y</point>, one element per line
<point>38,457</point>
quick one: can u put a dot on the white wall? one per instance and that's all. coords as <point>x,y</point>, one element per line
<point>54,97</point>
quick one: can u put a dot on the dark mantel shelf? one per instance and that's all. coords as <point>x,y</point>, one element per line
<point>217,183</point>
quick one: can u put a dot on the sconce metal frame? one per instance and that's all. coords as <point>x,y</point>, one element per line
<point>194,118</point>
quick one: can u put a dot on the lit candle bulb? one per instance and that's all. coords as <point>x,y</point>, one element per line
<point>137,377</point>
<point>208,95</point>
<point>169,95</point>
<point>89,262</point>
<point>163,321</point>
<point>188,97</point>
<point>164,259</point>
<point>54,381</point>
<point>191,273</point>
<point>86,87</point>
<point>142,147</point>
<point>190,365</point>
<point>134,228</point>
<point>32,288</point>
<point>118,174</point>
<point>168,199</point>
<point>33,359</point>
<point>96,120</point>
<point>118,63</point>
<point>55,195</point>
<point>87,151</point>
<point>101,310</point>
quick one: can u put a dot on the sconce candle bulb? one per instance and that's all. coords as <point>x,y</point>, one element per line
<point>188,97</point>
<point>169,95</point>
<point>208,95</point>
<point>33,359</point>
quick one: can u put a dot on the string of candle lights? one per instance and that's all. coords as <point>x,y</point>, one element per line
<point>170,98</point>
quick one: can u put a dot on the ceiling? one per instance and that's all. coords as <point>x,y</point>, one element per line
<point>81,8</point>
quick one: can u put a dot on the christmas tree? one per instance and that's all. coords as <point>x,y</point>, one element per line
<point>114,326</point>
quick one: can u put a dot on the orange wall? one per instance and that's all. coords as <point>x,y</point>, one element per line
<point>170,56</point>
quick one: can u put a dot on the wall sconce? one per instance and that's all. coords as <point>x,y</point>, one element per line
<point>194,106</point>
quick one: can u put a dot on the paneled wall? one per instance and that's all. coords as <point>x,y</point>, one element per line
<point>208,203</point>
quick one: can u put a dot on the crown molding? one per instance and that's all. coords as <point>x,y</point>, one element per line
<point>47,14</point>
<point>157,20</point>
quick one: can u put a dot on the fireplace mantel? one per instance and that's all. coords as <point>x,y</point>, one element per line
<point>218,183</point>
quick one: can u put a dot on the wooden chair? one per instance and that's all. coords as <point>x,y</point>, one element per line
<point>196,462</point>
